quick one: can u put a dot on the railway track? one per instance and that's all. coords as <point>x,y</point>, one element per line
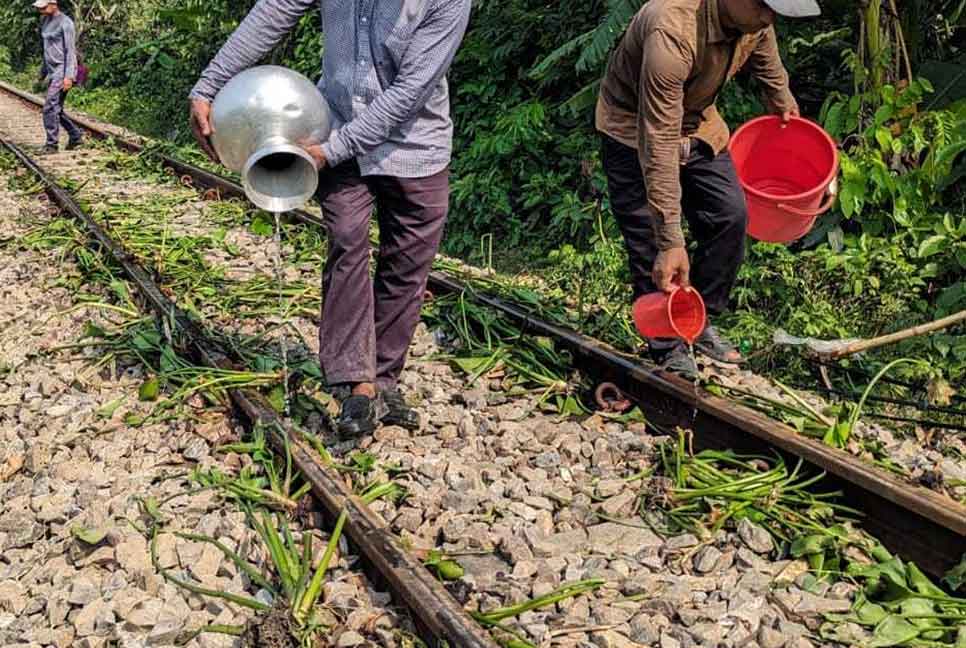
<point>442,618</point>
<point>918,524</point>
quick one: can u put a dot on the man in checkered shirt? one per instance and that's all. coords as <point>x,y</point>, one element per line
<point>384,76</point>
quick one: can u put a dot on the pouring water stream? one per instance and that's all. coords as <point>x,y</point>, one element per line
<point>280,282</point>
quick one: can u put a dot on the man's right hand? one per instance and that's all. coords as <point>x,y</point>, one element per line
<point>671,269</point>
<point>201,126</point>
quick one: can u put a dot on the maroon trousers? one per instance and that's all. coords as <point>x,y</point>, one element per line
<point>368,323</point>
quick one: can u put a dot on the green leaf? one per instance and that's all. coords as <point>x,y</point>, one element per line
<point>920,582</point>
<point>310,368</point>
<point>893,631</point>
<point>108,410</point>
<point>90,537</point>
<point>569,406</point>
<point>121,290</point>
<point>884,138</point>
<point>809,545</point>
<point>956,577</point>
<point>868,613</point>
<point>276,398</point>
<point>847,199</point>
<point>449,570</point>
<point>149,389</point>
<point>883,114</point>
<point>152,508</point>
<point>931,245</point>
<point>472,365</point>
<point>133,420</point>
<point>168,360</point>
<point>917,607</point>
<point>891,570</point>
<point>841,432</point>
<point>92,330</point>
<point>262,226</point>
<point>835,120</point>
<point>146,340</point>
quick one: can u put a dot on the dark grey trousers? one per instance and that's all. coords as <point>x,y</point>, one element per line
<point>54,116</point>
<point>713,203</point>
<point>368,324</point>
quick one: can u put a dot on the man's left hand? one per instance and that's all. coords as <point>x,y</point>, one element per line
<point>68,84</point>
<point>315,150</point>
<point>788,114</point>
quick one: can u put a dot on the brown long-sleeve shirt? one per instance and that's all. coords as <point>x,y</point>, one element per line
<point>660,89</point>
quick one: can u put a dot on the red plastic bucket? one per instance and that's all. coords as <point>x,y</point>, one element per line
<point>786,170</point>
<point>678,314</point>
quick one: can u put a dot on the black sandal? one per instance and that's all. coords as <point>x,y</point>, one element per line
<point>711,344</point>
<point>357,418</point>
<point>680,363</point>
<point>398,412</point>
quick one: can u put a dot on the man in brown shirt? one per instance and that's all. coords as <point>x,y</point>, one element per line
<point>665,146</point>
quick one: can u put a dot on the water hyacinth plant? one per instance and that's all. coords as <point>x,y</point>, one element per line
<point>898,605</point>
<point>490,346</point>
<point>295,573</point>
<point>702,493</point>
<point>144,342</point>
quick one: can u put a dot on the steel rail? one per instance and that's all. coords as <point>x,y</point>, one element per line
<point>912,521</point>
<point>441,617</point>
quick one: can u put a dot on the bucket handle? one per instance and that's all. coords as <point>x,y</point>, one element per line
<point>824,207</point>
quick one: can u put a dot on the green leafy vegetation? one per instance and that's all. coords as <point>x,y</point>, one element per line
<point>896,605</point>
<point>704,492</point>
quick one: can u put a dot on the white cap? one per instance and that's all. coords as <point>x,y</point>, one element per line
<point>795,8</point>
<point>40,4</point>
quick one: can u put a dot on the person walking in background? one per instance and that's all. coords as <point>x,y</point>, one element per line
<point>664,147</point>
<point>59,71</point>
<point>384,76</point>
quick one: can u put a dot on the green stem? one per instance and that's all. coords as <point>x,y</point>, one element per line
<point>868,390</point>
<point>315,587</point>
<point>568,591</point>
<point>243,601</point>
<point>241,563</point>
